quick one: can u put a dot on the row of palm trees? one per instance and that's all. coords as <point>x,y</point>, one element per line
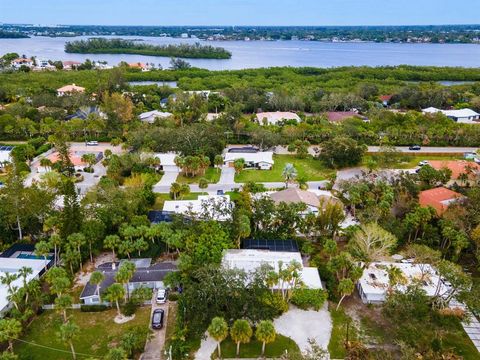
<point>193,165</point>
<point>241,332</point>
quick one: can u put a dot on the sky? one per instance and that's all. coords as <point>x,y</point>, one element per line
<point>240,12</point>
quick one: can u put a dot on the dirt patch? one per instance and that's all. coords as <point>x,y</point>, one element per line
<point>122,319</point>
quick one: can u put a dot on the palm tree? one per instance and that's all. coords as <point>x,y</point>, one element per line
<point>24,272</point>
<point>218,329</point>
<point>10,330</point>
<point>67,333</point>
<point>114,293</point>
<point>112,242</point>
<point>7,279</point>
<point>77,240</point>
<point>203,183</point>
<point>239,164</point>
<point>184,190</point>
<point>345,288</point>
<point>55,242</point>
<point>175,189</point>
<point>241,332</point>
<point>46,163</point>
<point>124,274</point>
<point>42,248</point>
<point>218,161</point>
<point>62,303</point>
<point>289,173</point>
<point>96,279</point>
<point>395,277</point>
<point>265,333</point>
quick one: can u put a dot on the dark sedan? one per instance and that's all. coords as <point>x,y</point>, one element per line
<point>414,147</point>
<point>157,319</point>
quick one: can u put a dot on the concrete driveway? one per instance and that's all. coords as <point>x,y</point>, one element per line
<point>154,347</point>
<point>168,178</point>
<point>301,325</point>
<point>227,177</point>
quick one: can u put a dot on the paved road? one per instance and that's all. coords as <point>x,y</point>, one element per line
<point>154,347</point>
<point>429,149</point>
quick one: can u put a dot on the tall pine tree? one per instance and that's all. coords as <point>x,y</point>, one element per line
<point>71,215</point>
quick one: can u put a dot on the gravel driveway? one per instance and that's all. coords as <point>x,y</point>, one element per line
<point>300,325</point>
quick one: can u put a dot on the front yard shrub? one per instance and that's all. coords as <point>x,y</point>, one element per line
<point>307,299</point>
<point>129,308</point>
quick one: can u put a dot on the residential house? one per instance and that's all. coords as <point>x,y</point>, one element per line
<point>85,111</point>
<point>11,261</point>
<point>5,155</point>
<point>374,284</point>
<point>457,167</point>
<point>297,196</point>
<point>142,66</point>
<point>19,62</point>
<point>439,198</point>
<point>75,158</point>
<point>146,275</point>
<point>463,116</point>
<point>44,65</point>
<point>250,260</point>
<point>70,89</point>
<point>273,118</point>
<point>151,116</point>
<point>71,65</point>
<point>215,207</point>
<point>262,160</point>
<point>385,99</point>
<point>167,161</point>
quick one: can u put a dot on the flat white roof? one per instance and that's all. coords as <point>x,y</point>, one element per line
<point>374,280</point>
<point>214,206</point>
<point>461,113</point>
<point>154,113</point>
<point>166,159</point>
<point>12,266</point>
<point>249,260</point>
<point>261,156</point>
<point>274,117</point>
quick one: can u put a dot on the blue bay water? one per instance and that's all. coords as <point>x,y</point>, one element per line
<point>255,54</point>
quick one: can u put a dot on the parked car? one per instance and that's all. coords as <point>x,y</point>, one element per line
<point>161,296</point>
<point>477,160</point>
<point>414,147</point>
<point>92,143</point>
<point>157,318</point>
<point>423,163</point>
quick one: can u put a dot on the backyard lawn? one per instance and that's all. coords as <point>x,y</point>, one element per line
<point>211,174</point>
<point>309,168</point>
<point>254,348</point>
<point>98,333</point>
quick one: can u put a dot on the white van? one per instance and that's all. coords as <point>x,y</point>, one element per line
<point>161,296</point>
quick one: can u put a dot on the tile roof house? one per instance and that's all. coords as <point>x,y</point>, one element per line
<point>70,89</point>
<point>457,167</point>
<point>146,275</point>
<point>439,198</point>
<point>19,62</point>
<point>313,200</point>
<point>385,99</point>
<point>272,118</point>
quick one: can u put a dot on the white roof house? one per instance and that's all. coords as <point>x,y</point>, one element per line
<point>249,260</point>
<point>12,266</point>
<point>151,116</point>
<point>216,207</point>
<point>272,118</point>
<point>5,155</point>
<point>374,283</point>
<point>464,116</point>
<point>167,161</point>
<point>261,159</point>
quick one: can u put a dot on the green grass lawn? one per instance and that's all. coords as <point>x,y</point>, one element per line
<point>211,174</point>
<point>254,348</point>
<point>340,320</point>
<point>310,168</point>
<point>161,198</point>
<point>98,334</point>
<point>411,161</point>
